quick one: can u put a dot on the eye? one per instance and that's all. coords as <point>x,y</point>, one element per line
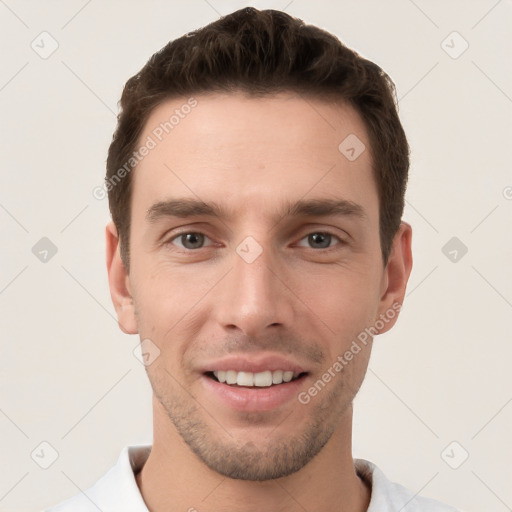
<point>189,241</point>
<point>319,240</point>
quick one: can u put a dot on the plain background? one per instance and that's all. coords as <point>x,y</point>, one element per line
<point>438,388</point>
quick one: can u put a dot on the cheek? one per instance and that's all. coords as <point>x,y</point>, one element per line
<point>169,289</point>
<point>343,306</point>
<point>344,300</point>
<point>168,300</point>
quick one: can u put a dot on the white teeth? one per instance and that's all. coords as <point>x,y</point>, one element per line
<point>231,377</point>
<point>277,377</point>
<point>245,379</point>
<point>261,379</point>
<point>287,376</point>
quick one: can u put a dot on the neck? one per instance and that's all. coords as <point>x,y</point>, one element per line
<point>174,479</point>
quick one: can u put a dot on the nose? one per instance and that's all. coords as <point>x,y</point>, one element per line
<point>253,298</point>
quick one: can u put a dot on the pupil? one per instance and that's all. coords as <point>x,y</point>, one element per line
<point>192,240</point>
<point>320,239</point>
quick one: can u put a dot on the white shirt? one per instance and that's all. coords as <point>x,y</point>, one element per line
<point>117,490</point>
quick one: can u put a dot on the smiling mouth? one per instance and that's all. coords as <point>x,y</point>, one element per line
<point>263,379</point>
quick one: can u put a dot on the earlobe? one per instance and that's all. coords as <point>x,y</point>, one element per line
<point>396,276</point>
<point>119,282</point>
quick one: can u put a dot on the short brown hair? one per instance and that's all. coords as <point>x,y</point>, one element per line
<point>263,53</point>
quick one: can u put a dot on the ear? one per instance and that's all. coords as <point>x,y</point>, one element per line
<point>395,278</point>
<point>119,283</point>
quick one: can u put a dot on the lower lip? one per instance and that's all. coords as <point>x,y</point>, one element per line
<point>253,399</point>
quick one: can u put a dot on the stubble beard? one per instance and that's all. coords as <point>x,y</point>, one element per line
<point>244,460</point>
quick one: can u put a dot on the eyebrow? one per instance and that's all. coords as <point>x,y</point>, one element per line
<point>183,208</point>
<point>188,207</point>
<point>325,207</point>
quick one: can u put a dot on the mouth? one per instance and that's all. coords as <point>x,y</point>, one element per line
<point>262,379</point>
<point>261,391</point>
<point>261,382</point>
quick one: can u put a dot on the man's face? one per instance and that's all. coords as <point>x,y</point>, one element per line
<point>254,248</point>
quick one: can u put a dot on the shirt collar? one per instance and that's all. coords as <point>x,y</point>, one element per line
<point>117,490</point>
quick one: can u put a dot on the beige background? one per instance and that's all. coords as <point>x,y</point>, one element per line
<point>69,377</point>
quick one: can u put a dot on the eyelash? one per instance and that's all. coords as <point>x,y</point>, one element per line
<point>341,242</point>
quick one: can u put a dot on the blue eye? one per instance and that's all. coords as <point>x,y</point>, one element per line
<point>319,240</point>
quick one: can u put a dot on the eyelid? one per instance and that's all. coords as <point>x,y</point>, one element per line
<point>182,229</point>
<point>340,240</point>
<point>170,240</point>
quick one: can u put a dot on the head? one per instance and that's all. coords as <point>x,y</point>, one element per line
<point>259,230</point>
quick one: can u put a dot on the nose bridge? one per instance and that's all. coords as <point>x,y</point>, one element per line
<point>254,298</point>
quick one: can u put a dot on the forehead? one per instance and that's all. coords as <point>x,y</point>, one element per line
<point>252,151</point>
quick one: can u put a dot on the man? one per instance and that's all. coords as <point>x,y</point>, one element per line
<point>256,182</point>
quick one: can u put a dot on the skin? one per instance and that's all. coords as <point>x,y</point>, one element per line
<point>304,298</point>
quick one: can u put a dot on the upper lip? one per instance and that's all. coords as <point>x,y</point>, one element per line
<point>254,364</point>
